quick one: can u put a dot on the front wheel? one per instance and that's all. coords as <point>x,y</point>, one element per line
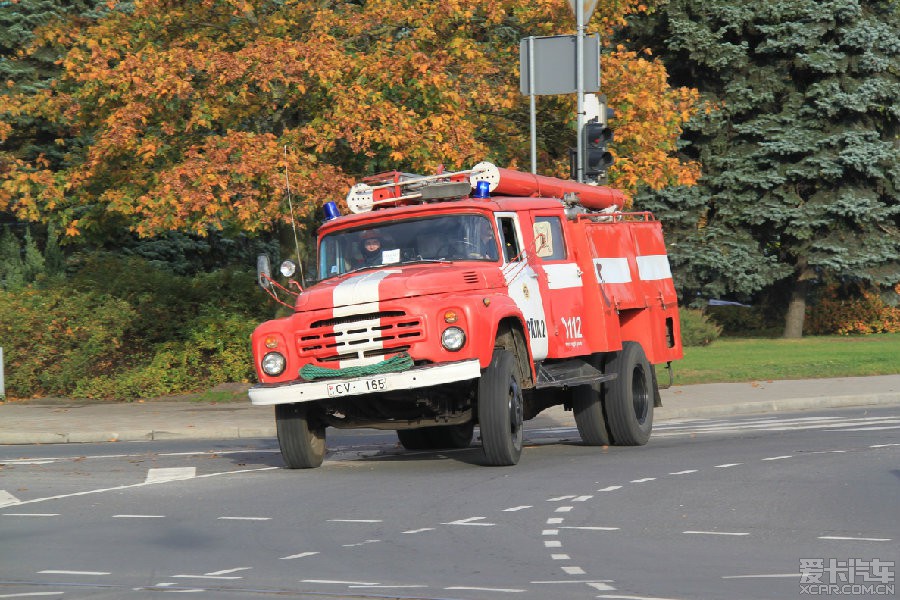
<point>301,436</point>
<point>629,403</point>
<point>501,410</point>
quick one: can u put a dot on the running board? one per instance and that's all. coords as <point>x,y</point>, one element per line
<point>569,373</point>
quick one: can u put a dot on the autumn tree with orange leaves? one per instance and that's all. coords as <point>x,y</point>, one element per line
<point>188,115</point>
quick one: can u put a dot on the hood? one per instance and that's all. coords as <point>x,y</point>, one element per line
<point>391,283</point>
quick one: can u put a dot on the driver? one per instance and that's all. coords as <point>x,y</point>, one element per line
<point>370,248</point>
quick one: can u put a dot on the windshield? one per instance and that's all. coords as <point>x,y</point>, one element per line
<point>444,238</point>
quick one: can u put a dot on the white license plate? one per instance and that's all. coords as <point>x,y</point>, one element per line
<point>353,387</point>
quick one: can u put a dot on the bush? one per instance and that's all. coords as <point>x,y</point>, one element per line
<point>866,313</point>
<point>697,329</point>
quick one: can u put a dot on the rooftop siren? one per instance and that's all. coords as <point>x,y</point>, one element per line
<point>394,188</point>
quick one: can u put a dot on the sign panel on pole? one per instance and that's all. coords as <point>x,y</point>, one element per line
<point>589,6</point>
<point>554,65</point>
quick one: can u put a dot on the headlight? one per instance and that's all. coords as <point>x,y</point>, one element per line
<point>273,364</point>
<point>453,338</point>
<point>288,268</point>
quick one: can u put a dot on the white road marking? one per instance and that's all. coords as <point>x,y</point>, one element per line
<point>516,508</point>
<point>779,457</point>
<point>30,514</point>
<point>581,498</point>
<point>573,570</point>
<point>138,516</point>
<point>301,555</point>
<point>644,480</point>
<point>591,528</point>
<point>406,586</point>
<point>483,589</point>
<point>7,499</point>
<point>555,520</point>
<point>560,498</point>
<point>337,582</point>
<point>617,597</point>
<point>363,543</point>
<point>602,587</point>
<point>764,576</point>
<point>171,474</point>
<point>550,532</point>
<point>31,594</point>
<point>685,472</point>
<point>58,572</point>
<point>560,556</point>
<point>611,488</point>
<point>873,428</point>
<point>26,461</point>
<point>138,485</point>
<point>735,533</point>
<point>728,465</point>
<point>883,445</point>
<point>229,571</point>
<point>245,518</point>
<point>853,539</point>
<point>355,521</point>
<point>470,521</point>
<point>419,530</point>
<point>218,577</point>
<point>552,544</point>
<point>564,509</point>
<point>570,581</point>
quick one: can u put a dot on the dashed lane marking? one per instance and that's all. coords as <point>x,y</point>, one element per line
<point>62,572</point>
<point>363,543</point>
<point>764,576</point>
<point>301,555</point>
<point>355,521</point>
<point>337,582</point>
<point>561,498</point>
<point>644,480</point>
<point>245,518</point>
<point>780,457</point>
<point>419,530</point>
<point>610,488</point>
<point>728,465</point>
<point>733,533</point>
<point>564,509</point>
<point>30,514</point>
<point>685,472</point>
<point>138,516</point>
<point>853,539</point>
<point>573,570</point>
<point>170,474</point>
<point>516,508</point>
<point>591,528</point>
<point>31,594</point>
<point>485,589</point>
<point>470,521</point>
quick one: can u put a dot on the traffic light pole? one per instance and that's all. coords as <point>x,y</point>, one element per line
<point>579,82</point>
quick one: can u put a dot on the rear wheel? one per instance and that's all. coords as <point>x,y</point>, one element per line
<point>501,410</point>
<point>587,405</point>
<point>301,436</point>
<point>629,402</point>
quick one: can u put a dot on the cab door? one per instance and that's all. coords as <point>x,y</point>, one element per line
<point>562,284</point>
<point>522,282</point>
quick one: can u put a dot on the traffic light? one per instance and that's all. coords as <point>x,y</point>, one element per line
<point>596,137</point>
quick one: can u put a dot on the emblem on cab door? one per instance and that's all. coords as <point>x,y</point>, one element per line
<point>525,291</point>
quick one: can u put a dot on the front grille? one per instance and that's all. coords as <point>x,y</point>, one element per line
<point>359,337</point>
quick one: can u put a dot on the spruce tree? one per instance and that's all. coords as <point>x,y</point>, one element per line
<point>800,148</point>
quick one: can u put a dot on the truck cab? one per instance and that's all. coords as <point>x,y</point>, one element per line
<point>495,296</point>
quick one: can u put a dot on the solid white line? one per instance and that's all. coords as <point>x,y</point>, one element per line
<point>564,509</point>
<point>591,528</point>
<point>301,555</point>
<point>229,571</point>
<point>55,572</point>
<point>355,520</point>
<point>854,539</point>
<point>684,472</point>
<point>767,576</point>
<point>482,589</point>
<point>245,518</point>
<point>419,530</point>
<point>516,508</point>
<point>337,581</point>
<point>779,457</point>
<point>644,480</point>
<point>611,488</point>
<point>573,570</point>
<point>138,516</point>
<point>728,465</point>
<point>30,514</point>
<point>717,532</point>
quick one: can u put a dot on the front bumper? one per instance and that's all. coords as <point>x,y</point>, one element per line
<point>416,377</point>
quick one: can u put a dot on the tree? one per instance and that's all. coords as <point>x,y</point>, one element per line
<point>187,115</point>
<point>800,146</point>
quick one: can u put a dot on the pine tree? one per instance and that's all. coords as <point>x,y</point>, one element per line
<point>800,147</point>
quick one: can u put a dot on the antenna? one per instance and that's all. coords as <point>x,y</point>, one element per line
<point>287,190</point>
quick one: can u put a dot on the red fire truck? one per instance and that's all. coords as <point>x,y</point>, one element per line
<point>479,297</point>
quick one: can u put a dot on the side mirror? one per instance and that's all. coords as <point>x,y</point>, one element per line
<point>264,272</point>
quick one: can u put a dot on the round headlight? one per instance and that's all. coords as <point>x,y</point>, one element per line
<point>453,338</point>
<point>273,364</point>
<point>288,268</point>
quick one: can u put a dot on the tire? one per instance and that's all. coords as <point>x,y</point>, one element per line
<point>501,410</point>
<point>587,405</point>
<point>629,401</point>
<point>301,436</point>
<point>436,438</point>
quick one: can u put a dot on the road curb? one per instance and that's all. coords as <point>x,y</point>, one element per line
<point>774,406</point>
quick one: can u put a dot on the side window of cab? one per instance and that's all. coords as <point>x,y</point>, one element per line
<point>508,239</point>
<point>548,238</point>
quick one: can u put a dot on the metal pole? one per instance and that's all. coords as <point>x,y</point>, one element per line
<point>2,385</point>
<point>532,104</point>
<point>579,79</point>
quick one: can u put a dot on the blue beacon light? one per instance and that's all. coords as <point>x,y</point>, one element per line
<point>482,190</point>
<point>331,211</point>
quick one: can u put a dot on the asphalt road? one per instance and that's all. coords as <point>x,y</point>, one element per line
<point>717,508</point>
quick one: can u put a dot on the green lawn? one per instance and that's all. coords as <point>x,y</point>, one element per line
<point>743,359</point>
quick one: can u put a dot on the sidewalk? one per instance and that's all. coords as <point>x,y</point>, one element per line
<point>69,421</point>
